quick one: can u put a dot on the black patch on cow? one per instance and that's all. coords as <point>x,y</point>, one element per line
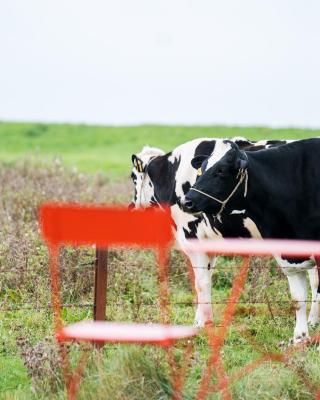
<point>162,173</point>
<point>244,144</point>
<point>134,180</point>
<point>294,260</point>
<point>193,226</point>
<point>186,187</point>
<point>133,177</point>
<point>269,144</point>
<point>256,148</point>
<point>205,148</point>
<point>153,201</point>
<point>230,226</point>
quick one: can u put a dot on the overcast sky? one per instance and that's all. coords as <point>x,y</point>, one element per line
<point>243,62</point>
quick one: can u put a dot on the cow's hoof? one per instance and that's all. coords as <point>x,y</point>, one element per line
<point>282,344</point>
<point>198,324</point>
<point>300,339</point>
<point>202,324</point>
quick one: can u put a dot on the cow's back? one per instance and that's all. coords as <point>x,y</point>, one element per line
<point>288,179</point>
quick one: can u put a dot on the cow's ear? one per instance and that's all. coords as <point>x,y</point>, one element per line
<point>242,161</point>
<point>137,163</point>
<point>196,162</point>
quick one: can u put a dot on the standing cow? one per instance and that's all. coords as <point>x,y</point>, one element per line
<point>166,178</point>
<point>278,189</point>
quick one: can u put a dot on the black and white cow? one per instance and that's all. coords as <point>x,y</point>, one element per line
<point>278,189</point>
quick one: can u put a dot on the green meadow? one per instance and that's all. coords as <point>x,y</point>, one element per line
<point>109,149</point>
<point>94,167</point>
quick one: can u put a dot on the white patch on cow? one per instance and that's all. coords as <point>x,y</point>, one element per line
<point>147,152</point>
<point>296,274</point>
<point>185,172</point>
<point>238,211</point>
<point>172,159</point>
<point>200,263</point>
<point>252,228</point>
<point>144,190</point>
<point>208,231</point>
<point>240,139</point>
<point>314,315</point>
<point>294,268</point>
<point>181,219</point>
<point>261,143</point>
<point>219,151</point>
<point>299,293</point>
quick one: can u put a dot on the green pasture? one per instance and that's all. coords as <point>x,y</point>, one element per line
<point>29,364</point>
<point>109,149</point>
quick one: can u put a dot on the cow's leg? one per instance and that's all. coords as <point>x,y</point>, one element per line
<point>202,267</point>
<point>314,315</point>
<point>299,293</point>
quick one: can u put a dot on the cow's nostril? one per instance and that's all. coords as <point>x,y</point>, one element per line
<point>188,204</point>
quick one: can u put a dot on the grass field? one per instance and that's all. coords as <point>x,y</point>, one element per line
<point>109,149</point>
<point>29,367</point>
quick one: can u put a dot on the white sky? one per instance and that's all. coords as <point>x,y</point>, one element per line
<point>161,61</point>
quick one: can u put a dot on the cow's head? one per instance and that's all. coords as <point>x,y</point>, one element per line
<point>219,175</point>
<point>144,195</point>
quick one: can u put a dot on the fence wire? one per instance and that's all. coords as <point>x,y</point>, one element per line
<point>216,334</point>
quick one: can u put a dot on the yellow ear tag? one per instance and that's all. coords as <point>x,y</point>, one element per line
<point>140,169</point>
<point>199,172</point>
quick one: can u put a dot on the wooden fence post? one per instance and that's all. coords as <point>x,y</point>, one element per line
<point>100,284</point>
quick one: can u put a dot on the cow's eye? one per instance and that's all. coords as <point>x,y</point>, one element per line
<point>219,172</point>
